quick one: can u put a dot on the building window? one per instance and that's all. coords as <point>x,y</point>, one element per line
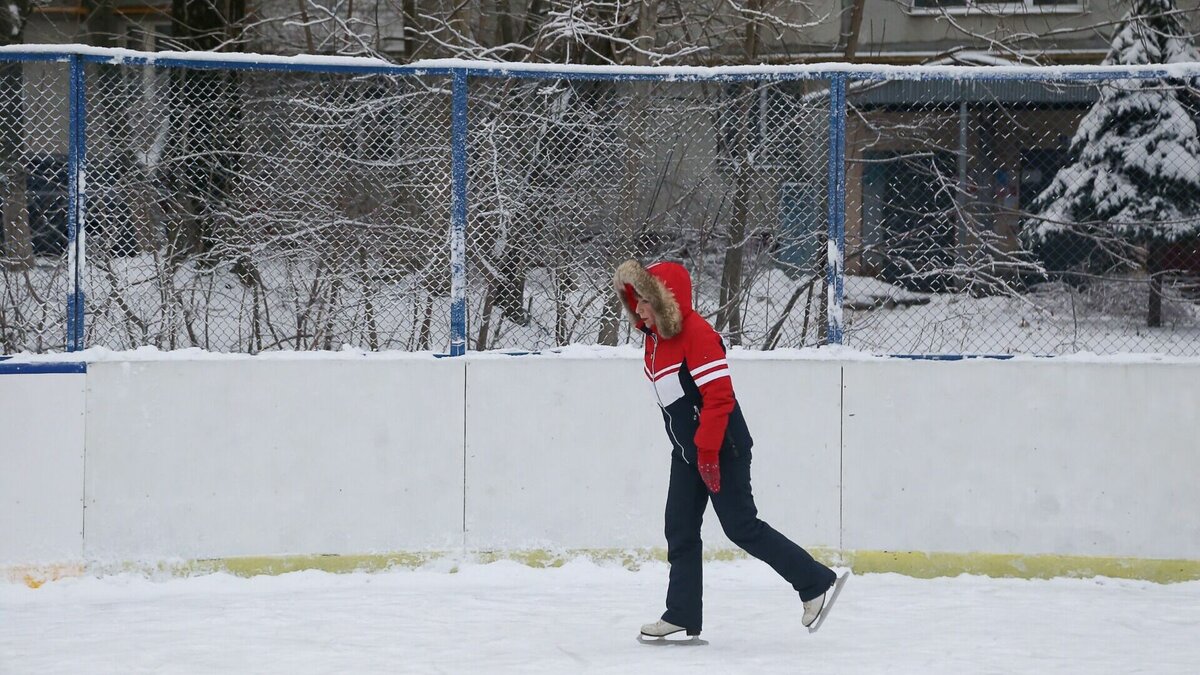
<point>46,191</point>
<point>995,6</point>
<point>908,213</point>
<point>802,228</point>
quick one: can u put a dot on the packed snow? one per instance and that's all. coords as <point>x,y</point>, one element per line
<point>505,617</point>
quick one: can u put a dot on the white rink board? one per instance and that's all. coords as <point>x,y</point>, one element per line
<point>572,452</point>
<point>41,467</point>
<point>226,457</point>
<point>792,408</point>
<point>563,453</point>
<point>1023,457</point>
<point>207,459</point>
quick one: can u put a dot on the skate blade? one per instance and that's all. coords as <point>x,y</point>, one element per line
<point>693,641</point>
<point>837,589</point>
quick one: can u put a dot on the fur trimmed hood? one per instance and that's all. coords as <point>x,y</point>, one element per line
<point>667,286</point>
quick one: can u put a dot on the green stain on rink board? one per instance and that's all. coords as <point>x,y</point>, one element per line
<point>256,565</point>
<point>909,563</point>
<point>928,565</point>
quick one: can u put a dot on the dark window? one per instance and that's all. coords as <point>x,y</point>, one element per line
<point>908,225</point>
<point>802,225</point>
<point>46,183</point>
<point>46,204</point>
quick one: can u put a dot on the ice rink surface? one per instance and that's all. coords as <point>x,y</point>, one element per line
<point>583,618</point>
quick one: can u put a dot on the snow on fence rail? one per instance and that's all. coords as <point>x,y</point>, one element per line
<point>244,203</point>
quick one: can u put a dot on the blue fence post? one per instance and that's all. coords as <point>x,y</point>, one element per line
<point>836,247</point>
<point>458,217</point>
<point>76,202</point>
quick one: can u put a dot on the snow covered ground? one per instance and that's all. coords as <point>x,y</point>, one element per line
<point>583,618</point>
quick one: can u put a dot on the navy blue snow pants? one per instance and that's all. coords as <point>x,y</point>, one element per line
<point>687,499</point>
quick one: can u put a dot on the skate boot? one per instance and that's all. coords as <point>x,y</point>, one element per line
<point>661,628</point>
<point>817,609</point>
<point>656,634</point>
<point>812,609</point>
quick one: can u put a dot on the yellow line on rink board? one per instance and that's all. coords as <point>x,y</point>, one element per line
<point>910,563</point>
<point>1046,566</point>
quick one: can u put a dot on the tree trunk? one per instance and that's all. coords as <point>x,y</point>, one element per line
<point>822,314</point>
<point>485,321</point>
<point>854,30</point>
<point>624,244</point>
<point>308,36</point>
<point>510,287</point>
<point>411,29</point>
<point>610,325</point>
<point>14,230</point>
<point>628,214</point>
<point>510,256</point>
<point>562,308</point>
<point>15,233</point>
<point>205,104</point>
<point>729,314</point>
<point>1154,265</point>
<point>18,240</point>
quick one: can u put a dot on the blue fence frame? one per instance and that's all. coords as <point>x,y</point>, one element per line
<point>839,75</point>
<point>76,218</point>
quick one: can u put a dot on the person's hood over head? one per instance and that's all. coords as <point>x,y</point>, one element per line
<point>667,286</point>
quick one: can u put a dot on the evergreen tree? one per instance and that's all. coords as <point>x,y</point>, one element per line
<point>1134,174</point>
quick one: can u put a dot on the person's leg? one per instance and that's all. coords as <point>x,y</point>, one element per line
<point>735,508</point>
<point>686,500</point>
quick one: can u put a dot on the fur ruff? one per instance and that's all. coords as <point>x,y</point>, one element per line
<point>650,287</point>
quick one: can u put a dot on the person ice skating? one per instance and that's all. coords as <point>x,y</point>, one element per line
<point>710,456</point>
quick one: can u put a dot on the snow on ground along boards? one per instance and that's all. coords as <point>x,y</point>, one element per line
<point>583,617</point>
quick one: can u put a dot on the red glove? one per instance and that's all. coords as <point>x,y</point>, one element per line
<point>710,468</point>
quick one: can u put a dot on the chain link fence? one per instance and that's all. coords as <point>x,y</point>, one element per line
<point>34,271</point>
<point>960,245</point>
<point>247,207</point>
<point>569,178</point>
<point>243,210</point>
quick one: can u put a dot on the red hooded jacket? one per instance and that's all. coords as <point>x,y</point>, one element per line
<point>684,361</point>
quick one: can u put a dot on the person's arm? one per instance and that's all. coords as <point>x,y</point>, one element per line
<point>706,364</point>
